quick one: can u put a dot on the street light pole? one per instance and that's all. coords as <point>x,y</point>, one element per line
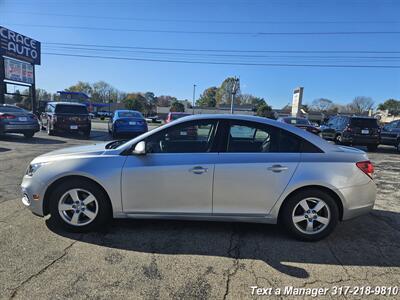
<point>194,95</point>
<point>235,88</point>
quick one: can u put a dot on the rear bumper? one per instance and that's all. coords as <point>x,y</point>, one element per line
<point>134,130</point>
<point>358,200</point>
<point>67,127</point>
<point>360,139</point>
<point>19,128</point>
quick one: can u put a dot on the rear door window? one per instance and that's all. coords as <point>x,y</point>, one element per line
<point>249,137</point>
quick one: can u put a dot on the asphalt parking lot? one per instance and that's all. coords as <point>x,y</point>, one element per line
<point>186,260</point>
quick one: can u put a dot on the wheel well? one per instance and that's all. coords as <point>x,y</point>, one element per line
<point>314,187</point>
<point>50,189</point>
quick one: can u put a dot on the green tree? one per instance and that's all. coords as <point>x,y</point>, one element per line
<point>224,93</point>
<point>81,86</point>
<point>392,105</point>
<point>135,101</point>
<point>208,98</point>
<point>177,107</point>
<point>264,110</point>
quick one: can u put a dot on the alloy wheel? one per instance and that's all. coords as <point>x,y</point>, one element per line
<point>78,207</point>
<point>311,216</point>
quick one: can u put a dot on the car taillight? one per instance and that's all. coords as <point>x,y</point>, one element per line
<point>7,117</point>
<point>366,166</point>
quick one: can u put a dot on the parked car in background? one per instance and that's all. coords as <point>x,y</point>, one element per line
<point>353,130</point>
<point>172,116</point>
<point>153,119</point>
<point>127,122</point>
<point>14,119</point>
<point>302,123</point>
<point>390,134</point>
<point>66,117</point>
<point>239,168</point>
<point>104,114</point>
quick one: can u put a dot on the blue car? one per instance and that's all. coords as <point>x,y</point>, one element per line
<point>127,122</point>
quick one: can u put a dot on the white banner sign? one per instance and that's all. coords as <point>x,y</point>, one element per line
<point>18,71</point>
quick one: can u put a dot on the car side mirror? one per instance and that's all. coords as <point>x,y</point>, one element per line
<point>140,148</point>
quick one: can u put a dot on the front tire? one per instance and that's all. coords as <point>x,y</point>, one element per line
<point>79,206</point>
<point>310,215</point>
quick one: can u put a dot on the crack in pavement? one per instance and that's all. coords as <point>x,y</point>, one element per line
<point>41,271</point>
<point>236,256</point>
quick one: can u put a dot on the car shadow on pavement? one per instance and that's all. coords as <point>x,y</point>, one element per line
<point>14,138</point>
<point>371,240</point>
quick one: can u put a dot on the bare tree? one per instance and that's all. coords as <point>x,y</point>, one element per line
<point>361,104</point>
<point>322,105</point>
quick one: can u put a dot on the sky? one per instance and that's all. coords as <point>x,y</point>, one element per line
<point>167,46</point>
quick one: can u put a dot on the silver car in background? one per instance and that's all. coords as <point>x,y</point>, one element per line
<point>17,120</point>
<point>206,167</point>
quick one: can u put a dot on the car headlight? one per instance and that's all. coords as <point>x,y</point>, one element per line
<point>32,168</point>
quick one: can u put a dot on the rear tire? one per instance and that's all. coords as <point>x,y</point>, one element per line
<point>398,146</point>
<point>310,215</point>
<point>338,139</point>
<point>372,148</point>
<point>78,205</point>
<point>29,135</point>
<point>114,134</point>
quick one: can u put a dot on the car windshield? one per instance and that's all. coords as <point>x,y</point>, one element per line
<point>71,109</point>
<point>129,114</point>
<point>297,121</point>
<point>178,116</point>
<point>364,122</point>
<point>10,109</point>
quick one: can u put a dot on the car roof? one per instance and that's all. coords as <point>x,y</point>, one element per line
<point>310,137</point>
<point>66,103</point>
<point>127,110</point>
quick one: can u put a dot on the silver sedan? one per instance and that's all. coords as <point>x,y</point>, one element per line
<point>206,167</point>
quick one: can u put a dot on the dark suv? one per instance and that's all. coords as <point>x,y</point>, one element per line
<point>352,130</point>
<point>66,117</point>
<point>390,134</point>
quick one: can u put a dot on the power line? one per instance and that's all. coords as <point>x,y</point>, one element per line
<point>217,54</point>
<point>224,63</point>
<point>259,33</point>
<point>205,21</point>
<point>222,50</point>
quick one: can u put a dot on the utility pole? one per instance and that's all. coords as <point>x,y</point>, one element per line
<point>3,87</point>
<point>235,88</point>
<point>194,95</point>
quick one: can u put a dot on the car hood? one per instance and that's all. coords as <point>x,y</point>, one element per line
<point>72,152</point>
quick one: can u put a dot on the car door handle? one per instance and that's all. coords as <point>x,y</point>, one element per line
<point>277,168</point>
<point>198,170</point>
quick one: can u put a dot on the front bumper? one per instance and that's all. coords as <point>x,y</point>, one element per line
<point>19,128</point>
<point>358,200</point>
<point>32,192</point>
